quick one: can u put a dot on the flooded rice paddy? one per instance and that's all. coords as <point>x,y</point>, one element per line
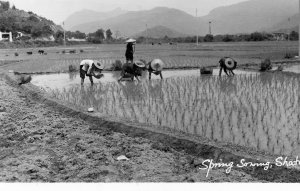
<point>260,111</point>
<point>294,69</point>
<point>67,80</point>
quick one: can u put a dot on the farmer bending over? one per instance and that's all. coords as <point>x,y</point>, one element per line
<point>155,67</point>
<point>132,70</point>
<point>90,68</point>
<point>227,64</point>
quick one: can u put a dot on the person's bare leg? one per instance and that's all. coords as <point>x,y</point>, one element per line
<point>137,78</point>
<point>220,72</point>
<point>122,72</point>
<point>226,72</point>
<point>82,81</point>
<point>149,75</point>
<point>91,79</point>
<point>122,75</point>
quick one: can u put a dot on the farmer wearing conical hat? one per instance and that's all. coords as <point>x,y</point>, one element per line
<point>132,70</point>
<point>227,64</point>
<point>130,49</point>
<point>155,67</point>
<point>90,68</point>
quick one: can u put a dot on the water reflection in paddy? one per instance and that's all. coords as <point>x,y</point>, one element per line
<point>66,80</point>
<point>257,111</point>
<point>294,69</point>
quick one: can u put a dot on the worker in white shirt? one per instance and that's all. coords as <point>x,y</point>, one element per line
<point>90,68</point>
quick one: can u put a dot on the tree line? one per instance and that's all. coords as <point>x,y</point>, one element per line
<point>256,36</point>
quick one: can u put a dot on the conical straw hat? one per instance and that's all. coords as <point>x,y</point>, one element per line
<point>230,63</point>
<point>130,40</point>
<point>157,65</point>
<point>139,63</point>
<point>99,65</point>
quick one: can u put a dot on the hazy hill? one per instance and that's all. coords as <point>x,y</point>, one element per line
<point>287,26</point>
<point>134,22</point>
<point>245,17</point>
<point>250,16</point>
<point>86,16</point>
<point>160,32</point>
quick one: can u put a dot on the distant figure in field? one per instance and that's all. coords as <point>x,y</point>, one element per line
<point>228,65</point>
<point>130,49</point>
<point>155,67</point>
<point>130,69</point>
<point>90,68</point>
<point>41,52</point>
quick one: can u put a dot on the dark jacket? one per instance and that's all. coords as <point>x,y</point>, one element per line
<point>129,50</point>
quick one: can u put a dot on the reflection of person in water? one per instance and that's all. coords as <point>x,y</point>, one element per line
<point>132,90</point>
<point>88,96</point>
<point>155,90</point>
<point>227,85</point>
<point>72,75</point>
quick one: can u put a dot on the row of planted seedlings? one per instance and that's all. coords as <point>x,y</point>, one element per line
<point>257,111</point>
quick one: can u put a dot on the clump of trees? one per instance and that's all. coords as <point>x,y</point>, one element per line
<point>13,20</point>
<point>101,36</point>
<point>256,36</point>
<point>96,37</point>
<point>294,36</point>
<point>4,6</point>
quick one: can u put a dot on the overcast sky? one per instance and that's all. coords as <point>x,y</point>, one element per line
<point>59,10</point>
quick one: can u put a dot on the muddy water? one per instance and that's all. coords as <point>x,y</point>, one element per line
<point>256,111</point>
<point>66,80</point>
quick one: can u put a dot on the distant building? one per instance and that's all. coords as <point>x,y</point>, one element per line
<point>76,39</point>
<point>6,36</point>
<point>280,36</point>
<point>48,38</point>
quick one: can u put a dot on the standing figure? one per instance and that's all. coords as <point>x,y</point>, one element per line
<point>90,68</point>
<point>130,49</point>
<point>228,65</point>
<point>155,67</point>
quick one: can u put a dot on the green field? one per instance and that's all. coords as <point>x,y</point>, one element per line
<point>174,56</point>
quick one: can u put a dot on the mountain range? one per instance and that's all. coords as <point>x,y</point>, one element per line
<point>245,17</point>
<point>160,32</point>
<point>86,16</point>
<point>134,22</point>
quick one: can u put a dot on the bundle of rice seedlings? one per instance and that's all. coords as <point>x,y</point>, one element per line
<point>24,79</point>
<point>204,70</point>
<point>72,68</point>
<point>117,65</point>
<point>265,65</point>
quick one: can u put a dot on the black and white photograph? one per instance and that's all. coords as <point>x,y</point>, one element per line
<point>149,91</point>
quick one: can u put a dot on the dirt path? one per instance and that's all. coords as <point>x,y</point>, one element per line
<point>38,144</point>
